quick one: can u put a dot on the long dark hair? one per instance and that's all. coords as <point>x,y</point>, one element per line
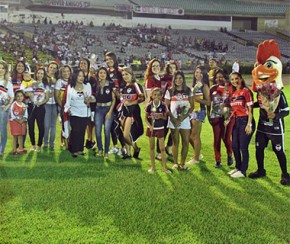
<point>204,73</point>
<point>75,77</point>
<point>88,64</point>
<point>44,80</point>
<point>114,57</point>
<point>117,71</point>
<point>240,76</point>
<point>166,69</point>
<point>14,72</point>
<point>185,88</point>
<point>97,78</point>
<point>223,73</point>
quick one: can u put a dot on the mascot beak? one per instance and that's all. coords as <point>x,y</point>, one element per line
<point>264,74</point>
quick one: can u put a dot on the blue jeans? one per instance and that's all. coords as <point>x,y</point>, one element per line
<point>3,128</point>
<point>240,143</point>
<point>100,115</point>
<point>50,124</point>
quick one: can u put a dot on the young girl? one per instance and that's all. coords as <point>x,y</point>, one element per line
<point>152,79</point>
<point>17,122</point>
<point>156,112</point>
<point>27,80</point>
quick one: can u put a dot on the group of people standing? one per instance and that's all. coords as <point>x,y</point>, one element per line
<point>228,104</point>
<point>34,101</point>
<point>89,100</point>
<point>84,98</point>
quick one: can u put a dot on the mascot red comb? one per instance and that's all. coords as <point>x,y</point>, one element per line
<point>267,82</point>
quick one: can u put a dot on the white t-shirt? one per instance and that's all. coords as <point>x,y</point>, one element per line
<point>179,105</point>
<point>6,92</point>
<point>60,84</point>
<point>75,101</point>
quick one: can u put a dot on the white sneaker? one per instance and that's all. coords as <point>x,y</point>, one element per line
<point>151,170</point>
<point>232,171</point>
<point>119,152</point>
<point>158,156</point>
<point>114,150</point>
<point>200,156</point>
<point>33,148</point>
<point>238,174</point>
<point>193,161</point>
<point>99,153</point>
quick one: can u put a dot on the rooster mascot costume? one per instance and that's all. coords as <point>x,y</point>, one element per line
<point>267,82</point>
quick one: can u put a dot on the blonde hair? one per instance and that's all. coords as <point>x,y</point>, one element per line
<point>130,71</point>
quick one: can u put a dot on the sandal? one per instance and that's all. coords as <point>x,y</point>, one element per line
<point>184,167</point>
<point>167,171</point>
<point>175,166</point>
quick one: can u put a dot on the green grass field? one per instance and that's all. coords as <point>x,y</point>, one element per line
<point>50,197</point>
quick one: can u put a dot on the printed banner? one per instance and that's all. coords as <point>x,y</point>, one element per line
<point>158,10</point>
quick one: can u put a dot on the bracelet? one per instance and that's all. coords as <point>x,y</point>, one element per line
<point>249,125</point>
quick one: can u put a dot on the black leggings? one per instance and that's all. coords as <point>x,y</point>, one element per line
<point>38,114</point>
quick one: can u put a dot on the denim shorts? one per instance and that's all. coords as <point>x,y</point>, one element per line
<point>198,115</point>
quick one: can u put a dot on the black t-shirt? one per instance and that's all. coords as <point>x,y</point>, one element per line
<point>104,94</point>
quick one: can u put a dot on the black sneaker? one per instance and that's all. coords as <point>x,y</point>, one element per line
<point>218,164</point>
<point>285,180</point>
<point>126,156</point>
<point>257,174</point>
<point>230,161</point>
<point>136,153</point>
<point>88,144</point>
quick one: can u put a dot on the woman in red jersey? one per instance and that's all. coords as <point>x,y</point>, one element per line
<point>152,77</point>
<point>242,105</point>
<point>219,111</point>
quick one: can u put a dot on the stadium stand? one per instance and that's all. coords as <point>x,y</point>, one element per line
<point>136,42</point>
<point>222,7</point>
